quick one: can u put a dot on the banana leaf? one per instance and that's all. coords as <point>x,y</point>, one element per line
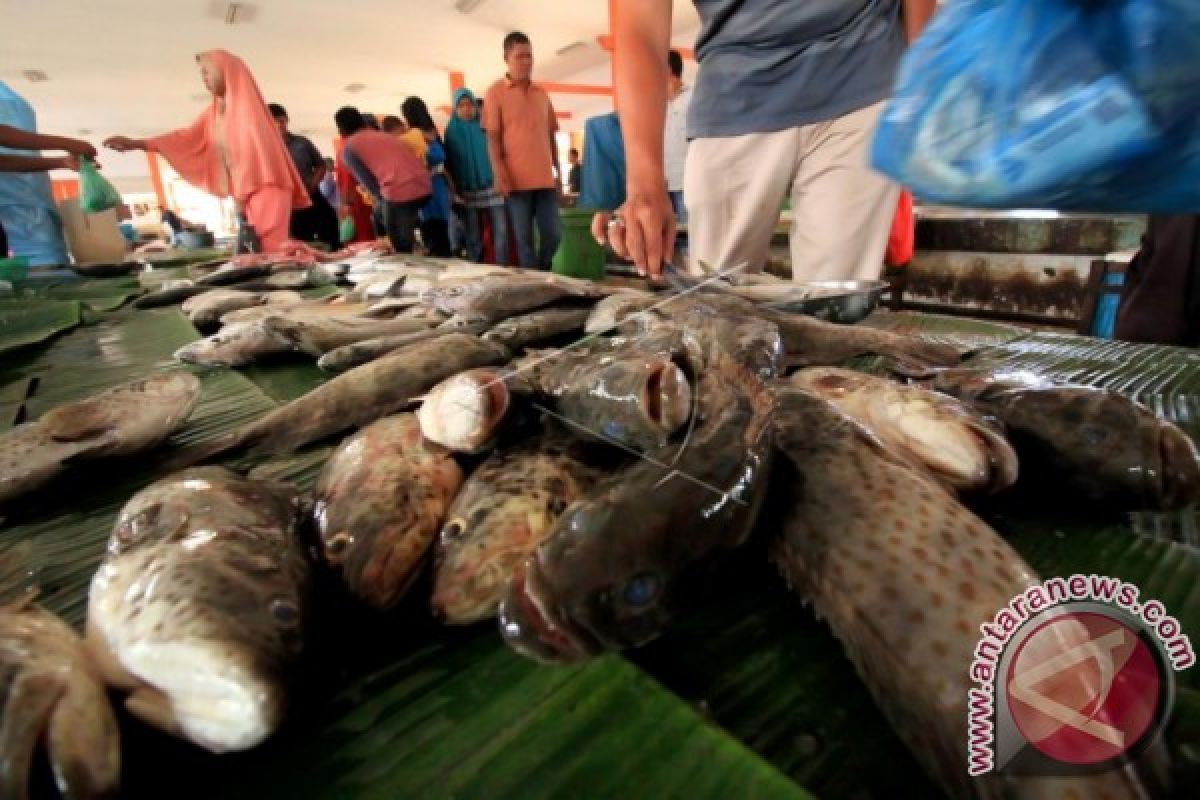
<point>748,696</point>
<point>36,322</point>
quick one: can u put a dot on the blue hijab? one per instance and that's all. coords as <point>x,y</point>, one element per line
<point>27,209</point>
<point>466,148</point>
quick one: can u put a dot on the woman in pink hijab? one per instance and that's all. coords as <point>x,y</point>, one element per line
<point>234,149</point>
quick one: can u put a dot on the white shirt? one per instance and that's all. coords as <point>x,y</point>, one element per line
<point>675,143</point>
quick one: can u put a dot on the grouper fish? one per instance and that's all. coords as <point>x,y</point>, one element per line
<point>504,511</point>
<point>199,607</point>
<point>379,503</point>
<point>121,421</point>
<point>960,446</point>
<point>354,398</point>
<point>905,576</point>
<point>1105,446</point>
<point>623,562</point>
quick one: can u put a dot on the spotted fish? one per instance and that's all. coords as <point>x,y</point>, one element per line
<point>905,576</point>
<point>505,510</point>
<point>961,447</point>
<point>1107,447</point>
<point>380,501</point>
<point>121,421</point>
<point>198,610</point>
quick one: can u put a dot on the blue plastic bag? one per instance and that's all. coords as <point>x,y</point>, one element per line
<point>1067,104</point>
<point>603,173</point>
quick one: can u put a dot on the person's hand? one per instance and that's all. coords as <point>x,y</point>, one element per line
<point>82,149</point>
<point>642,231</point>
<point>123,144</point>
<point>70,162</point>
<point>502,185</point>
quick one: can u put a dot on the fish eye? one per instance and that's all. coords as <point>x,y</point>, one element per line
<point>285,612</point>
<point>336,546</point>
<point>642,590</point>
<point>1093,435</point>
<point>454,529</point>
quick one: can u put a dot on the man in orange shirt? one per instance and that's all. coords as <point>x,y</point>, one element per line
<point>520,124</point>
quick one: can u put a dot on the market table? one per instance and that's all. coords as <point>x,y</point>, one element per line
<point>749,696</point>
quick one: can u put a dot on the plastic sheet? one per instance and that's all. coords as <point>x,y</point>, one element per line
<point>1067,104</point>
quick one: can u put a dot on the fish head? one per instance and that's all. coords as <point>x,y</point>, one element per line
<point>485,539</point>
<point>617,567</point>
<point>463,412</point>
<point>1180,467</point>
<point>635,401</point>
<point>373,532</point>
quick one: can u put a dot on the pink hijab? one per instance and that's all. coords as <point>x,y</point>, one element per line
<point>257,155</point>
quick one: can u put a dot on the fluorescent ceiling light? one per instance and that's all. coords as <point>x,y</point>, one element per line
<point>467,6</point>
<point>562,51</point>
<point>355,87</point>
<point>35,76</point>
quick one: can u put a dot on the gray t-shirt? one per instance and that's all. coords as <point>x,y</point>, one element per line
<point>769,65</point>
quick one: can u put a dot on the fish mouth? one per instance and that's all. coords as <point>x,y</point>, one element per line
<point>667,397</point>
<point>530,627</point>
<point>1180,469</point>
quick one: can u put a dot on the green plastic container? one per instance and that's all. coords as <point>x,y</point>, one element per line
<point>578,256</point>
<point>14,270</point>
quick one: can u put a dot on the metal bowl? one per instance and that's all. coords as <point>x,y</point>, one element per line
<point>835,301</point>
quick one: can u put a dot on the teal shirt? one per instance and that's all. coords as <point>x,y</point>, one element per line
<point>769,65</point>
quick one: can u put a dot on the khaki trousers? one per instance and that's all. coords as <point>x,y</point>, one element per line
<point>842,209</point>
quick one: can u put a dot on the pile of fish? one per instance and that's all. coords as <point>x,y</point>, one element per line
<point>581,492</point>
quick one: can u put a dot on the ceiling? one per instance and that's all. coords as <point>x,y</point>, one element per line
<point>127,66</point>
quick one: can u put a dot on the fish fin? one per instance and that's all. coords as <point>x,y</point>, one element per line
<point>82,740</point>
<point>27,711</point>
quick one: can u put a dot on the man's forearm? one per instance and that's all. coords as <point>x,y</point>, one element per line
<point>496,154</point>
<point>643,38</point>
<point>916,16</point>
<point>29,163</point>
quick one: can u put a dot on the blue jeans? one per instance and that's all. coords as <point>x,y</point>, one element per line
<point>499,220</point>
<point>680,208</point>
<point>526,207</point>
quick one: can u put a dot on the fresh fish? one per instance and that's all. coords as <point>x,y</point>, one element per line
<point>198,609</point>
<point>297,279</point>
<point>516,333</point>
<point>168,296</point>
<point>464,411</point>
<point>811,342</point>
<point>359,353</point>
<point>235,345</point>
<point>205,310</point>
<point>306,309</point>
<point>962,448</point>
<point>609,313</point>
<point>500,296</point>
<point>630,394</point>
<point>503,512</point>
<point>230,274</point>
<point>319,334</point>
<point>120,421</point>
<point>465,322</point>
<point>51,694</point>
<point>380,501</point>
<point>621,563</point>
<point>361,395</point>
<point>905,576</point>
<point>1109,448</point>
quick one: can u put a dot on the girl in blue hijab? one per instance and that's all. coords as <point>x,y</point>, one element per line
<point>467,154</point>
